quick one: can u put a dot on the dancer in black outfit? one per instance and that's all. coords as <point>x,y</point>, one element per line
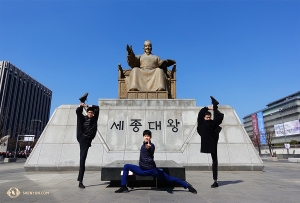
<point>86,132</point>
<point>147,167</point>
<point>209,131</point>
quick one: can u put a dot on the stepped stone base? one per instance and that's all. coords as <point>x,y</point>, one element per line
<point>147,95</point>
<point>173,123</point>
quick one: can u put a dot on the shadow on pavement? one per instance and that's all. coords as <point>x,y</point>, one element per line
<point>222,183</point>
<point>167,189</point>
<point>106,183</point>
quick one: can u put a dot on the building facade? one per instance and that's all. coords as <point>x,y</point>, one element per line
<point>281,116</point>
<point>24,102</point>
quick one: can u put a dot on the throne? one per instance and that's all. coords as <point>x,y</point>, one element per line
<point>124,93</point>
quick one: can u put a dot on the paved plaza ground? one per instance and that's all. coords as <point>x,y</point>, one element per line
<point>279,182</point>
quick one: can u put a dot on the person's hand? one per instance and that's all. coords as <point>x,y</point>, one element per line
<point>82,104</point>
<point>210,108</point>
<point>148,145</point>
<point>129,49</point>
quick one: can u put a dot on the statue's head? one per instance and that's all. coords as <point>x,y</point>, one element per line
<point>147,47</point>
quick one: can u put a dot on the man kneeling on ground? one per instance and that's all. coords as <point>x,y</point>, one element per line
<point>147,167</point>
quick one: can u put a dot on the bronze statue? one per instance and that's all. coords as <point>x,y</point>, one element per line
<point>148,71</point>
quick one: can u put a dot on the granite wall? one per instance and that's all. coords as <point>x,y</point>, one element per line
<point>120,126</point>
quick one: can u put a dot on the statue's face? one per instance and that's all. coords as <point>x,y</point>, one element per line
<point>147,48</point>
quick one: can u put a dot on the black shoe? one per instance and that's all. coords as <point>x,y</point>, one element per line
<point>84,97</point>
<point>214,101</point>
<point>215,184</point>
<point>122,189</point>
<point>192,190</point>
<point>81,185</point>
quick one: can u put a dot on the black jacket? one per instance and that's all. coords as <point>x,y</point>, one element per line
<point>86,127</point>
<point>147,157</point>
<point>209,130</point>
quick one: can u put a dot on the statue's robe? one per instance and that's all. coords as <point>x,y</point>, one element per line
<point>146,74</point>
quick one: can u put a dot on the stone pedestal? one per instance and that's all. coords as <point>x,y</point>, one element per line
<point>147,95</point>
<point>272,159</point>
<point>296,160</point>
<point>173,123</point>
<point>6,160</point>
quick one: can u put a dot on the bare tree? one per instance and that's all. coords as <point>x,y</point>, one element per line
<point>4,133</point>
<point>3,118</point>
<point>270,132</point>
<point>19,129</point>
<point>12,143</point>
<point>256,141</point>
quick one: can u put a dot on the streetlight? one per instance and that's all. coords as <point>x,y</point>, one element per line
<point>31,124</point>
<point>281,110</point>
<point>16,147</point>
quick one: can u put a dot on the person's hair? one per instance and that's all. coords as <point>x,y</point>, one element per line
<point>90,109</point>
<point>207,113</point>
<point>147,132</point>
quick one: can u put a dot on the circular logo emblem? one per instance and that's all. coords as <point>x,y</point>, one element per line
<point>13,192</point>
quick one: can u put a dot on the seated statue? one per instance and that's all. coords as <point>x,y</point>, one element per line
<point>148,72</point>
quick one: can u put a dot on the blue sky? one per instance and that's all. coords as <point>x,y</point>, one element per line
<point>244,53</point>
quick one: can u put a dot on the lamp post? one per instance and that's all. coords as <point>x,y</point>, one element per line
<point>280,110</point>
<point>16,147</point>
<point>30,129</point>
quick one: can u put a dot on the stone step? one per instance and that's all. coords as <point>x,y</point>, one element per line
<point>6,160</point>
<point>294,160</point>
<point>272,158</point>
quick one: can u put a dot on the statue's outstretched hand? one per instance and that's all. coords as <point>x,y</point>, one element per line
<point>129,49</point>
<point>168,62</point>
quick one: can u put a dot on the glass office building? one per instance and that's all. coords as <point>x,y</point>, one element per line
<point>281,116</point>
<point>24,102</point>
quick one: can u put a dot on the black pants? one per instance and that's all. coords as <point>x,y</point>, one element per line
<point>214,157</point>
<point>84,147</point>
